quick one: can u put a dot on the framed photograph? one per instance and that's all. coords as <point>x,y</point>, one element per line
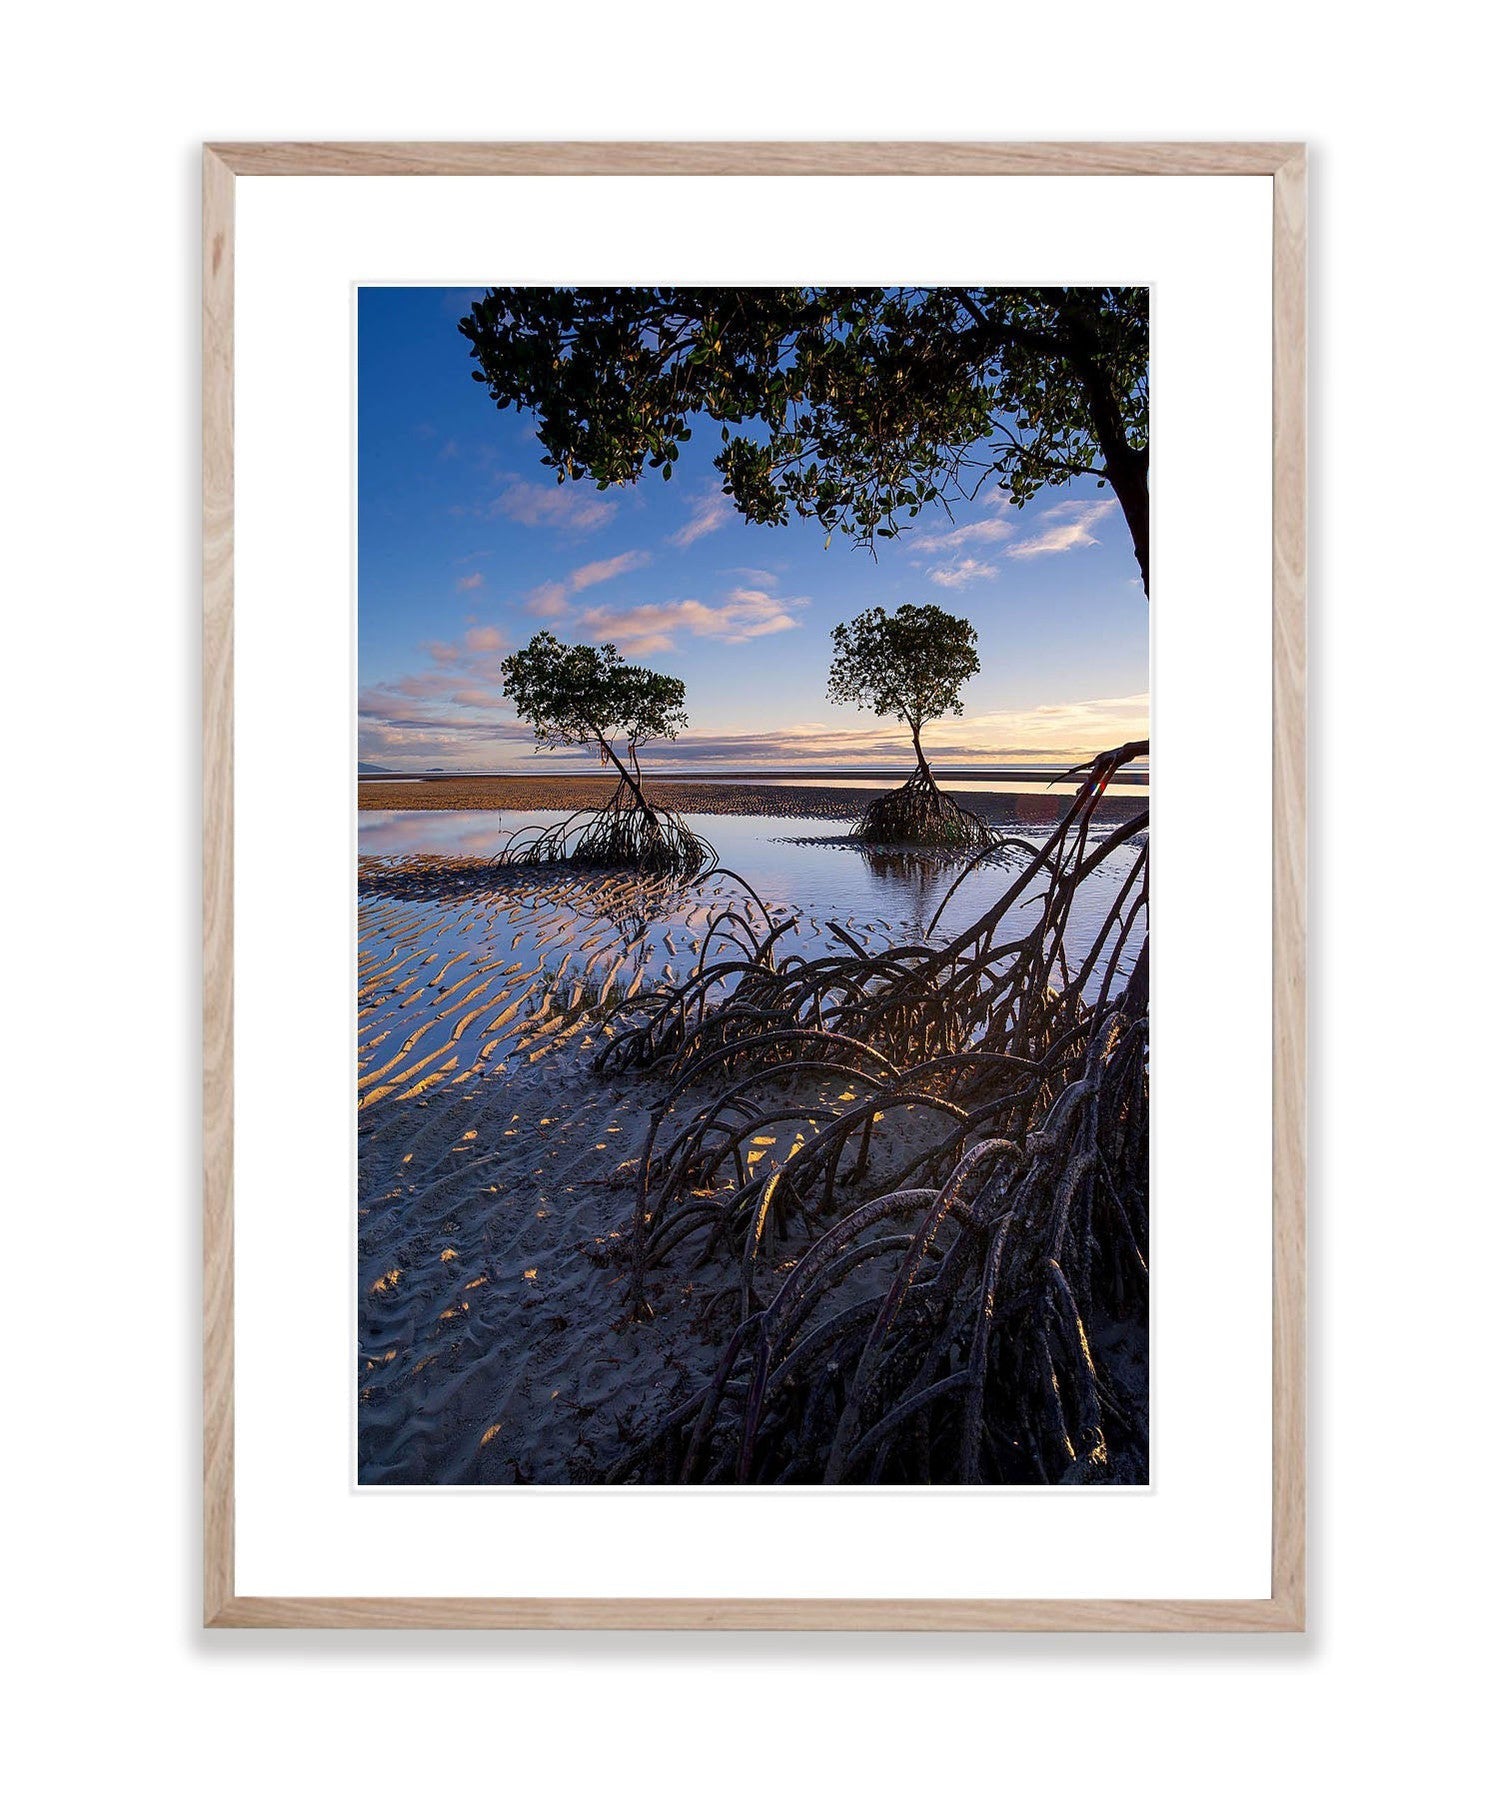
<point>754,808</point>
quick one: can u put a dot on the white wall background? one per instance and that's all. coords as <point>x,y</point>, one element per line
<point>103,109</point>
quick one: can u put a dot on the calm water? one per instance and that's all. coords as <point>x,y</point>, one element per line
<point>805,864</point>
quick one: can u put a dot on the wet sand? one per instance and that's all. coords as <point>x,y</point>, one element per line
<point>494,1339</point>
<point>576,793</point>
<point>496,1174</point>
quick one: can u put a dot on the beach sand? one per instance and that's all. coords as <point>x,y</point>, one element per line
<point>574,793</point>
<point>496,1176</point>
<point>495,1341</point>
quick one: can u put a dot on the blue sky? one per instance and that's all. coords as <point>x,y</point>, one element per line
<point>467,546</point>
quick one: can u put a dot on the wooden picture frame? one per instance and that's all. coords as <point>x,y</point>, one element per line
<point>1285,164</point>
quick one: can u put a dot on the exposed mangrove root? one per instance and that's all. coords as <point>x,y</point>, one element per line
<point>919,814</point>
<point>946,1333</point>
<point>627,832</point>
<point>966,1183</point>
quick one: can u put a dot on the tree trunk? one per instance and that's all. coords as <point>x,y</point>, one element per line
<point>1076,343</point>
<point>628,779</point>
<point>921,760</point>
<point>1127,474</point>
<point>1126,470</point>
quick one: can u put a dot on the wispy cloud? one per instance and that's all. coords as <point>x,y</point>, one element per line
<point>592,573</point>
<point>569,507</point>
<point>710,512</point>
<point>1074,524</point>
<point>1066,526</point>
<point>743,614</point>
<point>550,600</point>
<point>470,583</point>
<point>472,664</point>
<point>413,738</point>
<point>547,601</point>
<point>444,710</point>
<point>962,573</point>
<point>990,529</point>
<point>1064,729</point>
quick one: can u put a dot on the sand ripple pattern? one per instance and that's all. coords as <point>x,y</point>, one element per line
<point>463,966</point>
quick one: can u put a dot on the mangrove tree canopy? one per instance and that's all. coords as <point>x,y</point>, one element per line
<point>576,694</point>
<point>590,696</point>
<point>908,664</point>
<point>854,406</point>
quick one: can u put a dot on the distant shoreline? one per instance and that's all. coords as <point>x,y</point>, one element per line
<point>1041,775</point>
<point>721,797</point>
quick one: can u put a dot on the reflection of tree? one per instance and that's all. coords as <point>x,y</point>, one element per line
<point>627,903</point>
<point>904,865</point>
<point>917,872</point>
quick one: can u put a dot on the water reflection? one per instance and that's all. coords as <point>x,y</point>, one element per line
<point>790,862</point>
<point>920,879</point>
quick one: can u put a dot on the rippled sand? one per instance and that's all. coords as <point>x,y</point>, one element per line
<point>495,1171</point>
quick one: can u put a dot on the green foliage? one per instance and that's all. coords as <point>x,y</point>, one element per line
<point>908,664</point>
<point>582,695</point>
<point>854,406</point>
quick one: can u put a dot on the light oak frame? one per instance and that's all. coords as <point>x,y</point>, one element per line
<point>1285,164</point>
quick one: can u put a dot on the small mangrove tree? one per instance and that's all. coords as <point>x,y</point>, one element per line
<point>909,665</point>
<point>587,697</point>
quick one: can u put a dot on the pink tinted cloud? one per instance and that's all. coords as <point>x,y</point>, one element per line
<point>562,508</point>
<point>550,600</point>
<point>547,601</point>
<point>745,613</point>
<point>592,573</point>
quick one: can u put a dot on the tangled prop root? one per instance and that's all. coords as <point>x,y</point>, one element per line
<point>943,1333</point>
<point>1004,1095</point>
<point>625,833</point>
<point>921,815</point>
